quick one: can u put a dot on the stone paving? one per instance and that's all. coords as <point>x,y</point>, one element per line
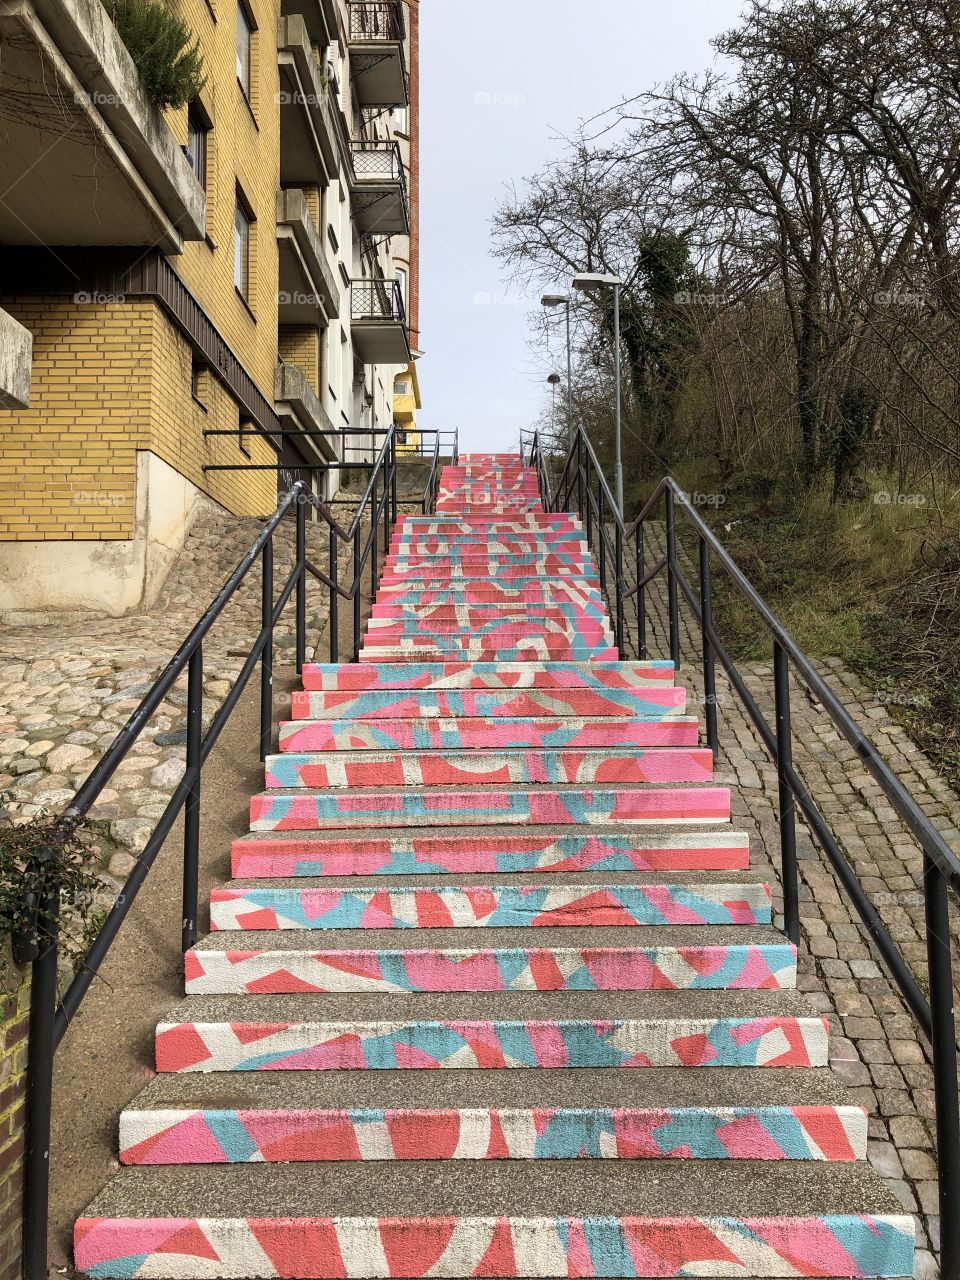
<point>877,1047</point>
<point>67,687</point>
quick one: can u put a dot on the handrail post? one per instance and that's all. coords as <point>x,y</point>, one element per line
<point>672,604</point>
<point>393,484</point>
<point>709,669</point>
<point>36,1164</point>
<point>586,511</point>
<point>191,811</point>
<point>787,808</point>
<point>579,472</point>
<point>618,546</point>
<point>356,594</point>
<point>944,1046</point>
<point>641,593</point>
<point>266,658</point>
<point>334,611</point>
<point>301,581</point>
<point>602,541</point>
<point>374,530</point>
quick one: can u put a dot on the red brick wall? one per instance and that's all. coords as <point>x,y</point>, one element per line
<point>13,1080</point>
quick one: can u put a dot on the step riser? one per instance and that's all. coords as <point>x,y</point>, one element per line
<point>325,1248</point>
<point>546,564</point>
<point>302,737</point>
<point>709,968</point>
<point>413,1045</point>
<point>478,855</point>
<point>452,573</point>
<point>699,1133</point>
<point>623,703</point>
<point>458,649</point>
<point>437,809</point>
<point>543,542</point>
<point>468,675</point>
<point>585,631</point>
<point>484,907</point>
<point>425,769</point>
<point>488,593</point>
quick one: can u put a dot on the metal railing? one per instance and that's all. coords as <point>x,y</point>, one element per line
<point>582,487</point>
<point>376,20</point>
<point>374,298</point>
<point>51,1014</point>
<point>378,161</point>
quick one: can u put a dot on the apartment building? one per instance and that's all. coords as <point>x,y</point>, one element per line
<point>213,299</point>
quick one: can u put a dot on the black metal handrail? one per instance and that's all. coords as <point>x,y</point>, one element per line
<point>50,1016</point>
<point>429,503</point>
<point>580,474</point>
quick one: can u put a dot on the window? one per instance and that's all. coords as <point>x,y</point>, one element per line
<point>400,124</point>
<point>197,130</point>
<point>241,250</point>
<point>402,282</point>
<point>197,389</point>
<point>244,41</point>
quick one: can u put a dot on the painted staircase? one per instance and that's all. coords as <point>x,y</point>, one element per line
<point>493,991</point>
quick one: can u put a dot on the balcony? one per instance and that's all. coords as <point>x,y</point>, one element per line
<point>322,18</point>
<point>87,159</point>
<point>310,147</point>
<point>378,322</point>
<point>302,416</point>
<point>307,292</point>
<point>378,188</point>
<point>375,37</point>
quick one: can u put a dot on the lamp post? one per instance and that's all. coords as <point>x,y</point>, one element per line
<point>590,282</point>
<point>554,380</point>
<point>561,300</point>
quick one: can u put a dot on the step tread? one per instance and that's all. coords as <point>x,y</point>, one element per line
<point>548,937</point>
<point>576,1087</point>
<point>651,1188</point>
<point>714,881</point>
<point>651,836</point>
<point>499,1006</point>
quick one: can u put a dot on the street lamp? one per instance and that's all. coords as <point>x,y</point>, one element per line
<point>589,282</point>
<point>561,300</point>
<point>554,381</point>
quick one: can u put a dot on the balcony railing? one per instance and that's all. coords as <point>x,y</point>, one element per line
<point>376,20</point>
<point>376,299</point>
<point>377,162</point>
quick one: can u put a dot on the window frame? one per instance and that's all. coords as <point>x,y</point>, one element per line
<point>245,83</point>
<point>244,242</point>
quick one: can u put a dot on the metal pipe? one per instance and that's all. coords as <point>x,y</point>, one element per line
<point>672,602</point>
<point>36,1161</point>
<point>618,540</point>
<point>788,822</point>
<point>357,567</point>
<point>334,622</point>
<point>944,1045</point>
<point>266,661</point>
<point>301,585</point>
<point>641,592</point>
<point>191,810</point>
<point>709,672</point>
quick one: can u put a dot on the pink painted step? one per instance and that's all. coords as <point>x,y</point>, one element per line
<point>477,675</point>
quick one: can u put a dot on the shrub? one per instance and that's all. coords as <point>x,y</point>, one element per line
<point>170,67</point>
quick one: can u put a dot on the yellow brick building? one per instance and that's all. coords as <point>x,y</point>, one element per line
<point>207,294</point>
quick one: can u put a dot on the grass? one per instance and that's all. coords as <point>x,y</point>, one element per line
<point>874,583</point>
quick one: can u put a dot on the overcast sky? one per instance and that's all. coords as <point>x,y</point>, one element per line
<point>501,82</point>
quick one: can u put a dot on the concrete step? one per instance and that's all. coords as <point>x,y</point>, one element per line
<point>413,541</point>
<point>488,733</point>
<point>448,768</point>
<point>725,1114</point>
<point>483,906</point>
<point>493,560</point>
<point>640,959</point>
<point>555,648</point>
<point>502,609</point>
<point>520,1029</point>
<point>509,630</point>
<point>662,702</point>
<point>489,522</point>
<point>380,851</point>
<point>487,675</point>
<point>479,591</point>
<point>637,1218</point>
<point>502,574</point>
<point>491,805</point>
<point>482,733</point>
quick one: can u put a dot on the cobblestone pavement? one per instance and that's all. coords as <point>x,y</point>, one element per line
<point>67,686</point>
<point>876,1046</point>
